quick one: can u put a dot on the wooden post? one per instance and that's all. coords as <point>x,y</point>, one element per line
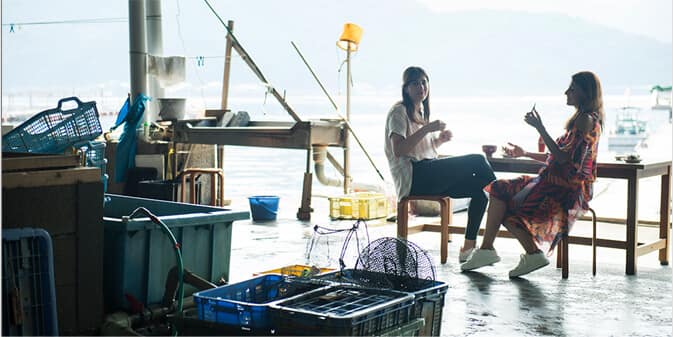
<point>665,215</point>
<point>632,225</point>
<point>225,98</point>
<point>227,67</point>
<point>304,212</point>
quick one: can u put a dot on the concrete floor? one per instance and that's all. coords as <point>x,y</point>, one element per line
<point>488,303</point>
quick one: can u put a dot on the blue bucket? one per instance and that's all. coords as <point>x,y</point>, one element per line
<point>264,207</point>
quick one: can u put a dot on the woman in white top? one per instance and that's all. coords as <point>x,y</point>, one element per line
<point>411,148</point>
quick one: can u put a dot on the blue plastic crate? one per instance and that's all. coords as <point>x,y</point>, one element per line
<point>94,152</point>
<point>429,295</point>
<point>28,293</point>
<point>54,130</point>
<point>246,304</point>
<point>138,255</point>
<point>342,310</point>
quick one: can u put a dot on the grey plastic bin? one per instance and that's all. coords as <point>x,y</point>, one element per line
<point>138,255</point>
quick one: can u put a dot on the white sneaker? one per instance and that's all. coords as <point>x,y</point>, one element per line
<point>464,256</point>
<point>480,258</point>
<point>529,263</point>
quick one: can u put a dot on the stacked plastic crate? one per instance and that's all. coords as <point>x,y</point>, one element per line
<point>246,305</point>
<point>56,130</point>
<point>94,154</point>
<point>429,295</point>
<point>323,306</point>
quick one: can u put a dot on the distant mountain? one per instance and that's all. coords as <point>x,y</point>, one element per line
<point>517,53</point>
<point>465,53</point>
<point>488,52</point>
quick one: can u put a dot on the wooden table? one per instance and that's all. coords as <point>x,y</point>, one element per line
<point>632,173</point>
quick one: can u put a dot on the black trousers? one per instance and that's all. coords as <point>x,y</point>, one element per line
<point>456,177</point>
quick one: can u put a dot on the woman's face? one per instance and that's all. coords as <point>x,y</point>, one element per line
<point>418,90</point>
<point>574,95</point>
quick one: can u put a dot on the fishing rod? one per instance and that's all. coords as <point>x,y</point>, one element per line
<point>348,124</point>
<point>248,60</point>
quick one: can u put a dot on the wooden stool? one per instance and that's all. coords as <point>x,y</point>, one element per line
<point>446,214</point>
<point>562,253</point>
<point>214,173</point>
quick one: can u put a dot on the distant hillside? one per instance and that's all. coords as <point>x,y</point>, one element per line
<point>506,52</point>
<point>466,53</point>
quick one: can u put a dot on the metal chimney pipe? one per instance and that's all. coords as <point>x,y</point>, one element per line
<point>155,46</point>
<point>137,48</point>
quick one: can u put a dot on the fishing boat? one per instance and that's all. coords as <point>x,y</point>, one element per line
<point>629,131</point>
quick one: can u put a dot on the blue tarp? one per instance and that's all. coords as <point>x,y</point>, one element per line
<point>131,115</point>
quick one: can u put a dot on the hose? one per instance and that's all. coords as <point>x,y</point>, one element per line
<point>178,254</point>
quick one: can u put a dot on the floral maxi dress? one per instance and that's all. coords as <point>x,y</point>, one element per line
<point>548,205</point>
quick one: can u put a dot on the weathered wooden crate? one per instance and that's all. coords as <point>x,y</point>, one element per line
<point>56,194</point>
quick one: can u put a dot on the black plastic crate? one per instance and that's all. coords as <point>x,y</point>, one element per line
<point>342,310</point>
<point>428,294</point>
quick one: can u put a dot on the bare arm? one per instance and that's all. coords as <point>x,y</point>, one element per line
<point>539,156</point>
<point>403,146</point>
<point>533,119</point>
<point>516,151</point>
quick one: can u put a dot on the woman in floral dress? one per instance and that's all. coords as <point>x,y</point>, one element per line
<point>544,208</point>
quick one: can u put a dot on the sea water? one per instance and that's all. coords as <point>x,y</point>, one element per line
<point>474,121</point>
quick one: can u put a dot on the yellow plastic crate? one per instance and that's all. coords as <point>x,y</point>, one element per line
<point>298,270</point>
<point>359,205</point>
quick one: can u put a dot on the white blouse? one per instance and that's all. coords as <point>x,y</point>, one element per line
<point>400,167</point>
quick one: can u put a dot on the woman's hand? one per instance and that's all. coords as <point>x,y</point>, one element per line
<point>444,136</point>
<point>514,151</point>
<point>533,119</point>
<point>435,125</point>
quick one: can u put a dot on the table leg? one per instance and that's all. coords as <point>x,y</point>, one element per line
<point>665,216</point>
<point>631,225</point>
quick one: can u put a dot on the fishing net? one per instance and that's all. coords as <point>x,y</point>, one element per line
<point>331,247</point>
<point>394,263</point>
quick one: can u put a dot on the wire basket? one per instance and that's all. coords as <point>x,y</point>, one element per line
<point>54,130</point>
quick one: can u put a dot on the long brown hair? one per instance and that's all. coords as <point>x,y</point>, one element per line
<point>592,97</point>
<point>412,74</point>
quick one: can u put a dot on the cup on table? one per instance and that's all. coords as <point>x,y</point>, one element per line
<point>489,150</point>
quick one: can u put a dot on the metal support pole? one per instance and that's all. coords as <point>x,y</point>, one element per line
<point>155,46</point>
<point>137,48</point>
<point>347,176</point>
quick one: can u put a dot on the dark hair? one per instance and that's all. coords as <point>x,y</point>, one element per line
<point>412,74</point>
<point>591,99</point>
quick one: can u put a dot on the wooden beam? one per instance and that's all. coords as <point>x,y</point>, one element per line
<point>50,177</point>
<point>39,162</point>
<point>651,247</point>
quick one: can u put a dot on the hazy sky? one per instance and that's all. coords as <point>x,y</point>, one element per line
<point>265,27</point>
<point>651,18</point>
